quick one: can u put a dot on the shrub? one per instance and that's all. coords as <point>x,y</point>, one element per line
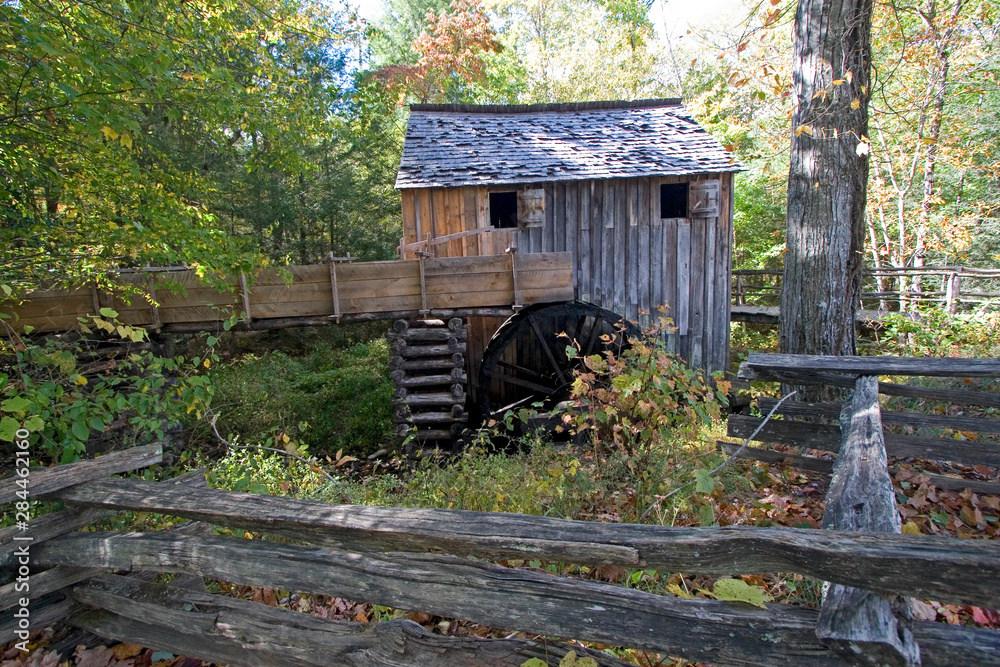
<point>935,332</point>
<point>68,393</point>
<point>640,396</point>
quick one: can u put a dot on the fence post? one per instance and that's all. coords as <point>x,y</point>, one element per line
<point>953,291</point>
<point>864,627</point>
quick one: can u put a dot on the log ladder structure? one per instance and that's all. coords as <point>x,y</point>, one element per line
<point>428,370</point>
<point>102,582</point>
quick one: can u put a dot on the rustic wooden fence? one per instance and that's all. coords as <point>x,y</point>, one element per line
<point>950,287</point>
<point>436,561</point>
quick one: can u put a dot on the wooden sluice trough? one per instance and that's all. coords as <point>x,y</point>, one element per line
<point>181,301</point>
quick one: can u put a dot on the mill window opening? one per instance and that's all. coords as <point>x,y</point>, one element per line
<point>673,200</point>
<point>503,210</point>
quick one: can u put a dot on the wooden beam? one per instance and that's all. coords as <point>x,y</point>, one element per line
<point>958,397</point>
<point>51,525</point>
<point>864,627</point>
<point>512,251</point>
<point>930,367</point>
<point>423,286</point>
<point>431,242</point>
<point>333,288</point>
<point>47,480</point>
<point>42,583</point>
<point>826,467</point>
<point>227,630</point>
<point>245,295</point>
<point>481,593</point>
<point>828,438</point>
<point>43,611</point>
<point>518,599</point>
<point>917,420</point>
<point>934,567</point>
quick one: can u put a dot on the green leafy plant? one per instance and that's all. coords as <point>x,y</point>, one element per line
<point>71,391</point>
<point>641,395</point>
<point>935,332</point>
<point>268,472</point>
<point>737,590</point>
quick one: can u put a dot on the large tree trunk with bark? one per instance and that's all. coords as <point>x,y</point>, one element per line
<point>827,180</point>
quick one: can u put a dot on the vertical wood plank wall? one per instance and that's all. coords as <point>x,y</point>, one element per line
<point>626,258</point>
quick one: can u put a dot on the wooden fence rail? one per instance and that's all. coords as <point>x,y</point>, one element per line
<point>886,288</point>
<point>432,561</point>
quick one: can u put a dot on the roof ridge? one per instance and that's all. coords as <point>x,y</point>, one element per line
<point>549,107</point>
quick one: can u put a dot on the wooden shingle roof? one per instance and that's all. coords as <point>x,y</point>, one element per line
<point>457,145</point>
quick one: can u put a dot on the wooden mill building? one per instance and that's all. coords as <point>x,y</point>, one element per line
<point>637,192</point>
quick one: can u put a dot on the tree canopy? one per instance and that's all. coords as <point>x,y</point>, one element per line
<point>222,133</point>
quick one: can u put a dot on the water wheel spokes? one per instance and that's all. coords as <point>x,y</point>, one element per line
<point>526,361</point>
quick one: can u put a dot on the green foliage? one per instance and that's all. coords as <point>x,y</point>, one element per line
<point>577,50</point>
<point>737,590</point>
<point>641,396</point>
<point>745,337</point>
<point>540,480</point>
<point>758,222</point>
<point>67,395</point>
<point>934,333</point>
<point>268,473</point>
<point>328,399</point>
<point>114,116</point>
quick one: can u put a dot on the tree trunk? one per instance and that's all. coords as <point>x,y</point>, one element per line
<point>827,178</point>
<point>943,43</point>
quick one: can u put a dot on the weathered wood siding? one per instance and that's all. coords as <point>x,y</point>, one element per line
<point>625,257</point>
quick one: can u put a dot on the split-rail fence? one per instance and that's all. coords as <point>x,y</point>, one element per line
<point>437,561</point>
<point>756,292</point>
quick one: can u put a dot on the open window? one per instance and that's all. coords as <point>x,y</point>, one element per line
<point>517,208</point>
<point>503,210</point>
<point>673,200</point>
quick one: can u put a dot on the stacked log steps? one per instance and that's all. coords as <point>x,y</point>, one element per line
<point>427,359</point>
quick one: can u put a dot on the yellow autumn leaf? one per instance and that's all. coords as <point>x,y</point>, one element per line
<point>679,592</point>
<point>125,651</point>
<point>855,103</point>
<point>80,380</point>
<point>126,140</point>
<point>108,133</point>
<point>910,528</point>
<point>570,660</point>
<point>803,129</point>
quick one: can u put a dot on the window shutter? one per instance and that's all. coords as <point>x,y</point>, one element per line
<point>703,199</point>
<point>531,207</point>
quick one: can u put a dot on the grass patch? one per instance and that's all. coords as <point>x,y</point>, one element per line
<point>330,397</point>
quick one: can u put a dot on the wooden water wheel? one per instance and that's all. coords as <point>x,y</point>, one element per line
<point>526,361</point>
